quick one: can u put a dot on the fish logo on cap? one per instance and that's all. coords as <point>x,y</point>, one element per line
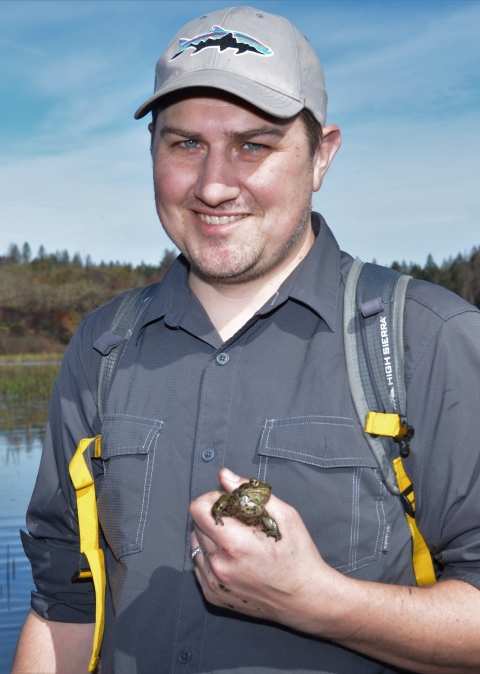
<point>223,39</point>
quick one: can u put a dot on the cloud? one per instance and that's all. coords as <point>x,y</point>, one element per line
<point>21,47</point>
<point>97,201</point>
<point>402,191</point>
<point>425,63</point>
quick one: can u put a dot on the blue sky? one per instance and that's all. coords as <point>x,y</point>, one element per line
<point>403,81</point>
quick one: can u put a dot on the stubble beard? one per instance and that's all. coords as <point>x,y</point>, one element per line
<point>249,263</point>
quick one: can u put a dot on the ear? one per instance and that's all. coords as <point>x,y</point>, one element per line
<point>325,153</point>
<point>150,128</point>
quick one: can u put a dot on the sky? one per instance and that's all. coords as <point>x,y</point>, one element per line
<point>403,83</point>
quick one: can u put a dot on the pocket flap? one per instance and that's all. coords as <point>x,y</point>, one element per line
<point>327,442</point>
<point>123,434</point>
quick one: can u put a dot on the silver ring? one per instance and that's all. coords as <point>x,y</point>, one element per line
<point>196,551</point>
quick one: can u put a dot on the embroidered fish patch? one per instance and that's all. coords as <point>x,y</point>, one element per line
<point>223,39</point>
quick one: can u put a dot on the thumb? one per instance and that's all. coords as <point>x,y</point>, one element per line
<point>230,480</point>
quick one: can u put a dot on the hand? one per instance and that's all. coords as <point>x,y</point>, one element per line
<point>241,569</point>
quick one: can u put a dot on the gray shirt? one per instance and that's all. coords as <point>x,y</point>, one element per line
<point>274,402</point>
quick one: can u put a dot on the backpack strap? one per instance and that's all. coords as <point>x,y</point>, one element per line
<point>128,314</point>
<point>373,335</point>
<point>82,479</point>
<point>80,468</point>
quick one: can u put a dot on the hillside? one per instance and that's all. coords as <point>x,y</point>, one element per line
<point>43,300</point>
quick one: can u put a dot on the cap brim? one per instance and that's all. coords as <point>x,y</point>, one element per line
<point>270,101</point>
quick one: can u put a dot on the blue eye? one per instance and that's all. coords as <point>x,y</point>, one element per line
<point>190,144</point>
<point>255,147</point>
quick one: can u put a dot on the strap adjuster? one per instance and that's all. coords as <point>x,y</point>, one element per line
<point>81,574</point>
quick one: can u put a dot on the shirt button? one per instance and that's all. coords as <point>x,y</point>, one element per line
<point>208,454</point>
<point>223,358</point>
<point>184,656</point>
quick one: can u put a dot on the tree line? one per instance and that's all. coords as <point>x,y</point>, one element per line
<point>460,274</point>
<point>44,297</point>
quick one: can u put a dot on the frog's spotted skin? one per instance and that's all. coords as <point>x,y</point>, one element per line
<point>246,504</point>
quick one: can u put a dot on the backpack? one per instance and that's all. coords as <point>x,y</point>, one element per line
<point>374,304</point>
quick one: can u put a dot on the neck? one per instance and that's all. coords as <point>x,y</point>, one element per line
<point>230,306</point>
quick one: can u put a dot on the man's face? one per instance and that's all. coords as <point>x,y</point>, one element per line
<point>232,186</point>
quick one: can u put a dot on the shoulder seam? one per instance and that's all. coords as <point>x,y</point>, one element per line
<point>447,317</point>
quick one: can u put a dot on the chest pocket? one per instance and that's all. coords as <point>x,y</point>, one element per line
<point>324,468</point>
<point>128,453</point>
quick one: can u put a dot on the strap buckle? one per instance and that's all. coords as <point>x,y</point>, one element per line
<point>403,440</point>
<point>81,574</point>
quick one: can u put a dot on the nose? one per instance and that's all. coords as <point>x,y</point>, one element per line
<point>217,180</point>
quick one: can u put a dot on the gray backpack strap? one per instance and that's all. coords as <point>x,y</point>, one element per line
<point>373,335</point>
<point>132,307</point>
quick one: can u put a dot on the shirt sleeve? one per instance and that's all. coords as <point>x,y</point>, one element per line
<point>52,544</point>
<point>443,405</point>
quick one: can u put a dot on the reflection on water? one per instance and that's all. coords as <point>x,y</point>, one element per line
<point>21,437</point>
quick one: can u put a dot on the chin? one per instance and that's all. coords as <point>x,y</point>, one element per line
<point>222,265</point>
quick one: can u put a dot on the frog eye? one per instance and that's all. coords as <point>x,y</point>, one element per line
<point>254,482</point>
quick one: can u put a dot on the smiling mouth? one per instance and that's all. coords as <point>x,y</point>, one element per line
<point>219,220</point>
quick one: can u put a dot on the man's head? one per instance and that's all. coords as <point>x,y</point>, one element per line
<point>236,145</point>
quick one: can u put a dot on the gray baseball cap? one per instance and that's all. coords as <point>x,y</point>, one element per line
<point>260,57</point>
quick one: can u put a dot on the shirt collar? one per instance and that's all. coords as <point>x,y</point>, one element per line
<point>315,283</point>
<point>172,297</point>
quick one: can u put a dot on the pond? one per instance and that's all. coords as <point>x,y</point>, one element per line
<point>22,424</point>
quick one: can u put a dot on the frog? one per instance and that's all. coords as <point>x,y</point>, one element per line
<point>246,503</point>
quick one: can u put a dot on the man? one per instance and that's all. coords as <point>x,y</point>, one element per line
<point>238,362</point>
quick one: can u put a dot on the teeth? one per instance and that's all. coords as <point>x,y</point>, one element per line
<point>222,220</point>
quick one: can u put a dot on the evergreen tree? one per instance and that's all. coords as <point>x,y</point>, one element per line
<point>26,253</point>
<point>14,254</point>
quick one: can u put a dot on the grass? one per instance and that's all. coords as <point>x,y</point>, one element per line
<point>17,358</point>
<point>27,383</point>
<point>22,420</point>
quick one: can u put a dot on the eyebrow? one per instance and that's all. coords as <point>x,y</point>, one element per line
<point>238,136</point>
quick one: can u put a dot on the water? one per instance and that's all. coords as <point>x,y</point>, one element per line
<point>21,437</point>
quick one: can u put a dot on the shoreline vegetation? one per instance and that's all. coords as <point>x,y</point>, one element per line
<point>27,384</point>
<point>31,358</point>
<point>44,298</point>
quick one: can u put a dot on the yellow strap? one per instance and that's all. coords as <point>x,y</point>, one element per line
<point>88,526</point>
<point>379,423</point>
<point>422,559</point>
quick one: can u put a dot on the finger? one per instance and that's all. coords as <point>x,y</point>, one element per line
<point>197,539</point>
<point>230,480</point>
<point>194,542</point>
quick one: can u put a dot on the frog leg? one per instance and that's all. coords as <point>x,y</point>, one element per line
<point>219,507</point>
<point>271,527</point>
